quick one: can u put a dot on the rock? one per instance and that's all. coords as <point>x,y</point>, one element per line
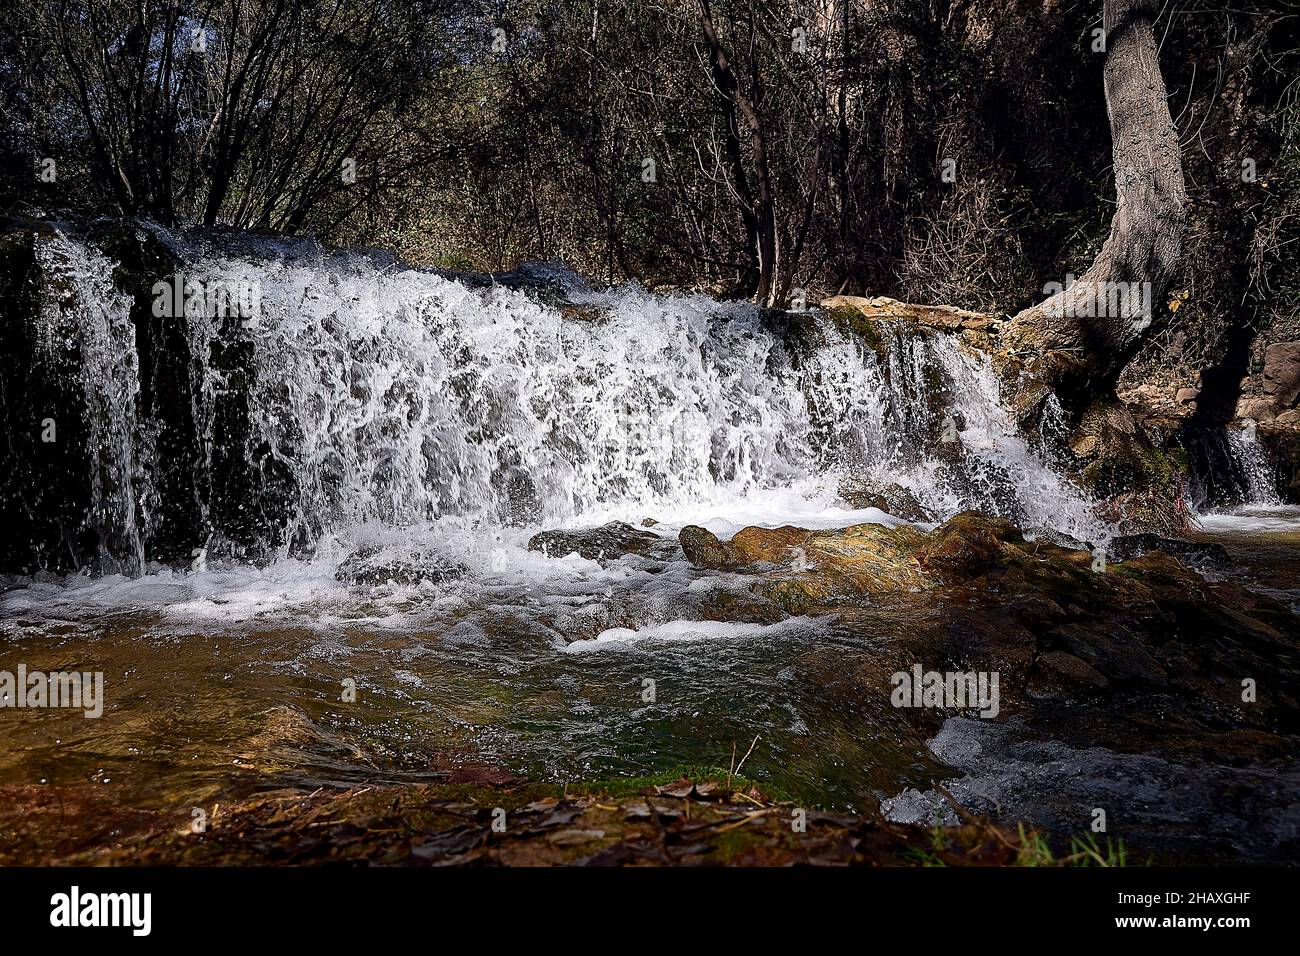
<point>1260,409</point>
<point>1281,377</point>
<point>945,317</point>
<point>1194,553</point>
<point>519,501</point>
<point>1085,446</point>
<point>1186,396</point>
<point>1113,650</point>
<point>1154,511</point>
<point>373,566</point>
<point>865,558</point>
<point>703,549</point>
<point>890,497</point>
<point>967,545</point>
<point>1057,673</point>
<point>606,543</point>
<point>1281,442</point>
<point>1058,538</point>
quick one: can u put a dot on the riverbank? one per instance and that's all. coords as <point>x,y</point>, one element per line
<point>486,817</point>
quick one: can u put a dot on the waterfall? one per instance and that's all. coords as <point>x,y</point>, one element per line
<point>364,391</point>
<point>1230,468</point>
<point>86,318</point>
<point>1253,465</point>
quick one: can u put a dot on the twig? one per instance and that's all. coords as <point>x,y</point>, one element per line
<point>752,815</point>
<point>747,753</point>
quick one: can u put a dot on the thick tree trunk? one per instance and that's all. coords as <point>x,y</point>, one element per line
<point>1083,335</point>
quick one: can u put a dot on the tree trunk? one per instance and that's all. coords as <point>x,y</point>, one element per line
<point>1084,333</point>
<point>757,213</point>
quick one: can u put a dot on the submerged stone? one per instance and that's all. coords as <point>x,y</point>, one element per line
<point>373,566</point>
<point>606,543</point>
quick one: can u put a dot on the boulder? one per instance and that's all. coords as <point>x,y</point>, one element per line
<point>704,550</point>
<point>858,559</point>
<point>1257,408</point>
<point>1058,674</point>
<point>967,545</point>
<point>1198,554</point>
<point>1281,377</point>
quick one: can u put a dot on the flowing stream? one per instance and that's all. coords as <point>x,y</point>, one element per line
<point>438,422</point>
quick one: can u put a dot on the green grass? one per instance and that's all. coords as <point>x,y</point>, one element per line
<point>1034,849</point>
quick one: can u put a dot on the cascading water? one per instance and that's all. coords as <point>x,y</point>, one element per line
<point>1253,464</point>
<point>88,318</point>
<point>375,394</point>
<point>339,491</point>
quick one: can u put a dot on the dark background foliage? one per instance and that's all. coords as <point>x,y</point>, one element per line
<point>479,149</point>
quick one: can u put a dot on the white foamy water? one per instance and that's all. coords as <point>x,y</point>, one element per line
<point>616,638</point>
<point>92,325</point>
<point>397,408</point>
<point>1253,464</point>
<point>1254,519</point>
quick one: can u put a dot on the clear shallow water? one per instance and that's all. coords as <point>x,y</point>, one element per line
<point>422,416</point>
<point>231,678</point>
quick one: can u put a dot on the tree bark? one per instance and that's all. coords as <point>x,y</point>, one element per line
<point>1083,335</point>
<point>757,212</point>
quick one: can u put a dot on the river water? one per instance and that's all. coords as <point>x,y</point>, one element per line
<point>434,423</point>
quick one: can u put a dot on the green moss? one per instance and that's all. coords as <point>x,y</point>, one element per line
<point>852,320</point>
<point>621,787</point>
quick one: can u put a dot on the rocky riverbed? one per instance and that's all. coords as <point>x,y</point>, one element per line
<point>1121,688</point>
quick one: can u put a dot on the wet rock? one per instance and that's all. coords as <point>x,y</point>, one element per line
<point>520,504</point>
<point>1058,538</point>
<point>1180,807</point>
<point>1111,650</point>
<point>606,543</point>
<point>1198,554</point>
<point>1282,444</point>
<point>1057,673</point>
<point>967,545</point>
<point>861,558</point>
<point>703,549</point>
<point>372,567</point>
<point>890,497</point>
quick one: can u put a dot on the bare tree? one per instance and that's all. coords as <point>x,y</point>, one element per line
<point>1084,334</point>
